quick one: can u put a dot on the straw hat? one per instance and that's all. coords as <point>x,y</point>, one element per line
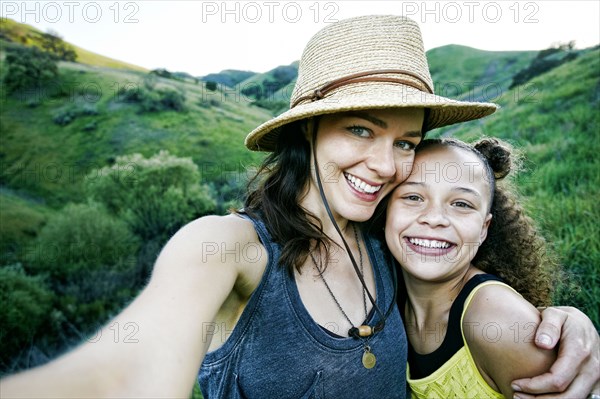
<point>375,61</point>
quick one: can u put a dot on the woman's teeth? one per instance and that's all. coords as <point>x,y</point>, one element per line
<point>429,243</point>
<point>361,185</point>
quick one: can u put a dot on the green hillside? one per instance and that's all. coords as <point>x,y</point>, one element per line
<point>470,74</point>
<point>210,130</point>
<point>555,120</point>
<point>228,77</point>
<point>15,32</point>
<point>272,89</point>
<point>56,136</point>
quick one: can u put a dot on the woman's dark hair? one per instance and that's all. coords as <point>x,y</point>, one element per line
<point>276,199</point>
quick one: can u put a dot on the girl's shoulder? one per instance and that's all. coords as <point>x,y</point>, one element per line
<point>497,303</point>
<point>499,329</point>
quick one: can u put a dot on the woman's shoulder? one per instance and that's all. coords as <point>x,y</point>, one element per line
<point>215,240</point>
<point>225,229</point>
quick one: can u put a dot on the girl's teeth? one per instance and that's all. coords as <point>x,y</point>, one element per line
<point>429,243</point>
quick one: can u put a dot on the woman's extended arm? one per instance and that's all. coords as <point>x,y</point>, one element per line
<point>172,314</point>
<point>577,369</point>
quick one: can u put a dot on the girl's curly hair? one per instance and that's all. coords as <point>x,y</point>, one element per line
<point>513,250</point>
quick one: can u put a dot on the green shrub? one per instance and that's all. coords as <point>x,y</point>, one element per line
<point>154,195</point>
<point>27,68</point>
<point>68,114</point>
<point>212,86</point>
<point>89,259</point>
<point>26,306</point>
<point>54,44</point>
<point>86,252</point>
<point>151,99</point>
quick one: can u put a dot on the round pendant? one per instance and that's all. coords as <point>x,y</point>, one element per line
<point>368,360</point>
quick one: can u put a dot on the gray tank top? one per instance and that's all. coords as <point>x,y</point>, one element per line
<point>276,350</point>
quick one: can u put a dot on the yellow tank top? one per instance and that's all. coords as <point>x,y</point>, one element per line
<point>458,377</point>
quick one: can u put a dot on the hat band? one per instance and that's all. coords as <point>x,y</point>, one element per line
<point>318,94</point>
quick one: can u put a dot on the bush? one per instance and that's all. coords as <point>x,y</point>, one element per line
<point>168,99</point>
<point>26,306</point>
<point>162,73</point>
<point>89,259</point>
<point>65,116</point>
<point>83,238</point>
<point>27,68</point>
<point>54,44</point>
<point>153,100</point>
<point>156,196</point>
<point>212,86</point>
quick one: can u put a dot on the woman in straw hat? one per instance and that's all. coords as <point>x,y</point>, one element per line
<point>291,297</point>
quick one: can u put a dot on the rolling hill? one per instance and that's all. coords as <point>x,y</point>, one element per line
<point>553,117</point>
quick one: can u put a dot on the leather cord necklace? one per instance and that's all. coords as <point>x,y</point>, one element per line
<point>368,358</point>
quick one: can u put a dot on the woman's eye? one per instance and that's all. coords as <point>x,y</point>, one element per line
<point>360,131</point>
<point>405,145</point>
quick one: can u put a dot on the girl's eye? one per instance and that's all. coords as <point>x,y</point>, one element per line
<point>462,204</point>
<point>412,197</point>
<point>405,145</point>
<point>360,131</point>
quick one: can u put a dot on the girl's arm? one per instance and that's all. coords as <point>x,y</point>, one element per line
<point>500,330</point>
<point>171,317</point>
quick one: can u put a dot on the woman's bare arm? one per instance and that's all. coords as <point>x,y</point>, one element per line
<point>171,318</point>
<point>576,372</point>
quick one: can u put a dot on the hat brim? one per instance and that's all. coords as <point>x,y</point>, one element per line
<point>371,95</point>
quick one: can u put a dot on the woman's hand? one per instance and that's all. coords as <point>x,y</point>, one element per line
<point>577,369</point>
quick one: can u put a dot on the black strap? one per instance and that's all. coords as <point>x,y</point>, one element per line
<point>353,331</point>
<point>422,366</point>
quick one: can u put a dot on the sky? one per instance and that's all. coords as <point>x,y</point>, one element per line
<point>201,37</point>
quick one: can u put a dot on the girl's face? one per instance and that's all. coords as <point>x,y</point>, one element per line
<point>363,156</point>
<point>438,217</point>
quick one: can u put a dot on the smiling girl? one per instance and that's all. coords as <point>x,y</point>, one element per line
<point>449,225</point>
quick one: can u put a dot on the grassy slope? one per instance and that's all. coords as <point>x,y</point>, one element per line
<point>551,117</point>
<point>28,35</point>
<point>555,119</point>
<point>470,74</point>
<point>258,79</point>
<point>44,164</point>
<point>208,134</point>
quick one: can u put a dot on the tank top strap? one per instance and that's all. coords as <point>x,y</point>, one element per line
<point>468,293</point>
<point>275,332</point>
<point>237,334</point>
<point>423,365</point>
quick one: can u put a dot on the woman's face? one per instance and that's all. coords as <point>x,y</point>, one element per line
<point>363,156</point>
<point>438,217</point>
